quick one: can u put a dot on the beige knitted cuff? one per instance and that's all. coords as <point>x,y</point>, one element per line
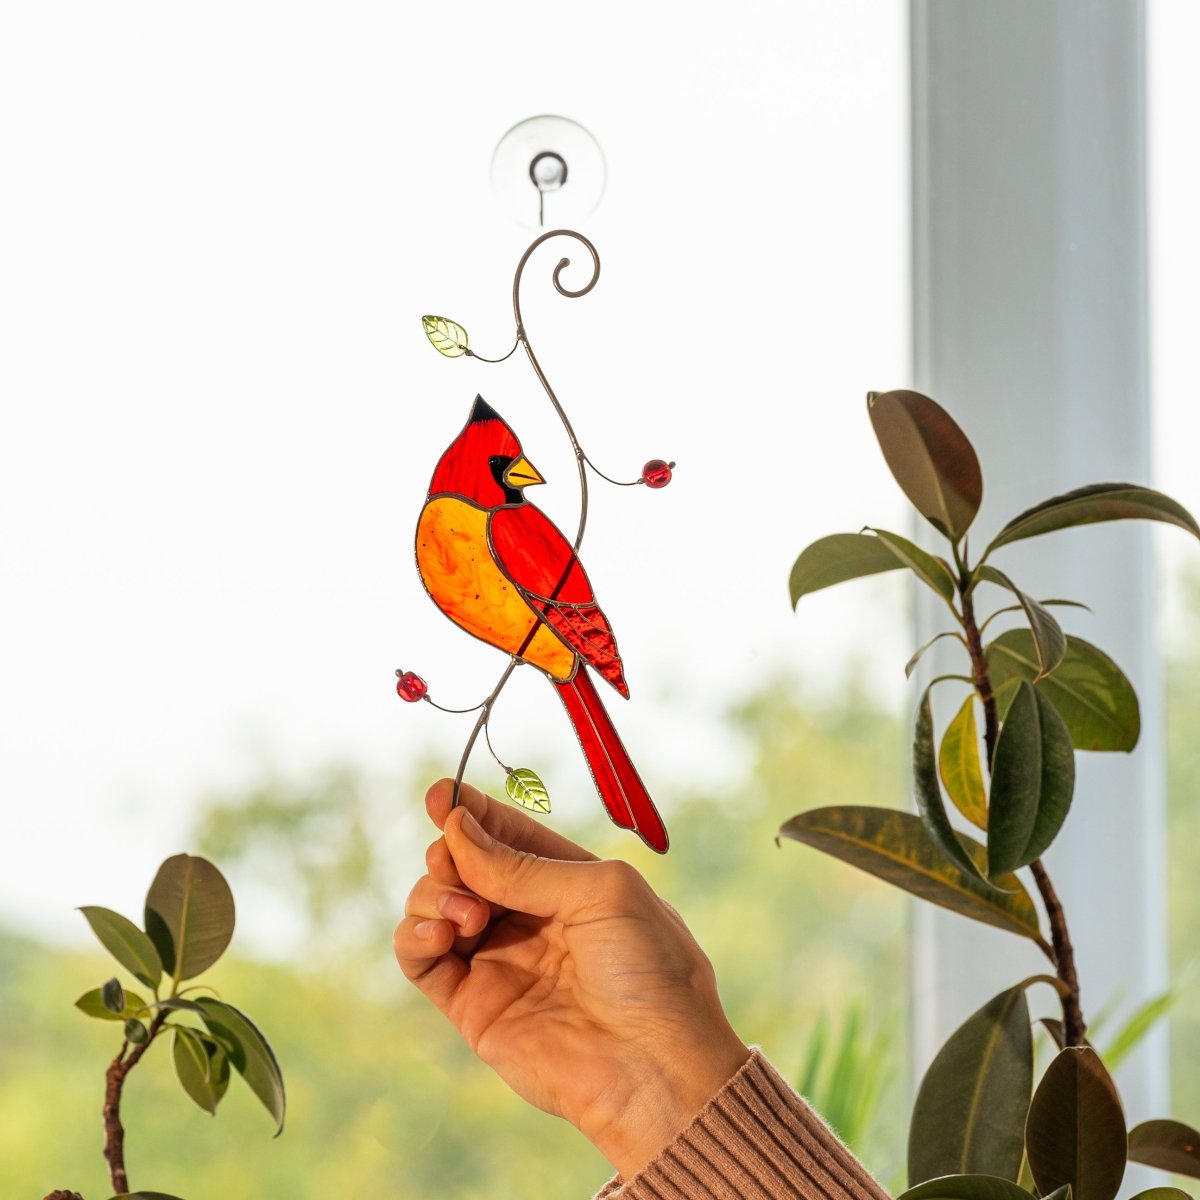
<point>756,1139</point>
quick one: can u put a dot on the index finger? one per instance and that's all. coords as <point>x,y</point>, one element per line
<point>505,823</point>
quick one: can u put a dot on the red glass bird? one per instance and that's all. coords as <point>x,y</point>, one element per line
<point>498,567</point>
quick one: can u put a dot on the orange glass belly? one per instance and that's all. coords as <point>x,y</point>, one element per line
<point>460,574</point>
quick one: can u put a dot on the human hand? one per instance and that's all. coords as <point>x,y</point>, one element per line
<point>568,976</point>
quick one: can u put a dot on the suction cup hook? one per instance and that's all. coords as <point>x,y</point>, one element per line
<point>548,169</point>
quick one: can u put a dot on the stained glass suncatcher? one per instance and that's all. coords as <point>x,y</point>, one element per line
<point>500,569</point>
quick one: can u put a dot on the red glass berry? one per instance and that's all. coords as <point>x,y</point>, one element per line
<point>411,687</point>
<point>656,473</point>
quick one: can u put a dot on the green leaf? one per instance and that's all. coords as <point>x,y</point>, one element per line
<point>448,337</point>
<point>178,1004</point>
<point>1096,502</point>
<point>930,457</point>
<point>126,943</point>
<point>959,767</point>
<point>136,1032</point>
<point>1033,780</point>
<point>934,571</point>
<point>1076,1130</point>
<point>1049,641</point>
<point>911,665</point>
<point>112,996</point>
<point>837,558</point>
<point>1170,1145</point>
<point>929,793</point>
<point>966,1187</point>
<point>1162,1193</point>
<point>1058,1032</point>
<point>896,847</point>
<point>202,1068</point>
<point>92,1004</point>
<point>1088,689</point>
<point>1135,1028</point>
<point>1009,608</point>
<point>249,1054</point>
<point>969,1116</point>
<point>526,789</point>
<point>189,915</point>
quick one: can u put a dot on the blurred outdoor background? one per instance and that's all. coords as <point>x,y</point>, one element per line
<point>218,230</point>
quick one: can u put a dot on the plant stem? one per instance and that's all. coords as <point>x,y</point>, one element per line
<point>979,670</point>
<point>1063,955</point>
<point>114,1131</point>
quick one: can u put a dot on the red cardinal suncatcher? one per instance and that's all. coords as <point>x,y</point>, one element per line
<point>498,567</point>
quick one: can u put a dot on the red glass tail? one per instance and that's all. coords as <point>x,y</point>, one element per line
<point>617,780</point>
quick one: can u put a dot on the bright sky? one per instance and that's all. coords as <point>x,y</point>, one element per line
<point>219,229</point>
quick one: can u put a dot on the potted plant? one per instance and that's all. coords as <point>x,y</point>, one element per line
<point>1033,696</point>
<point>188,923</point>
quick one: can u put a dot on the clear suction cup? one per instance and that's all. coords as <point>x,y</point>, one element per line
<point>548,171</point>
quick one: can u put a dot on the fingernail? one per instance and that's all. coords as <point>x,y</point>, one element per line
<point>456,907</point>
<point>425,929</point>
<point>476,832</point>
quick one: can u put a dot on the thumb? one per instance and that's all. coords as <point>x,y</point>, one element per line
<point>516,879</point>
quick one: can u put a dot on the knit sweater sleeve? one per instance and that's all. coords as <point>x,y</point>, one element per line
<point>756,1139</point>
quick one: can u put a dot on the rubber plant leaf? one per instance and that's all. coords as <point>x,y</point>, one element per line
<point>1088,690</point>
<point>969,1116</point>
<point>1088,505</point>
<point>930,457</point>
<point>896,847</point>
<point>1075,1133</point>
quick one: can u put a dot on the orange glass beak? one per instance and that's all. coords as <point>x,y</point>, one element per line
<point>522,474</point>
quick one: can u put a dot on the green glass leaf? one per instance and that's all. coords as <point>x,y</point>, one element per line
<point>526,789</point>
<point>1049,641</point>
<point>92,1004</point>
<point>126,943</point>
<point>930,457</point>
<point>1096,502</point>
<point>136,1032</point>
<point>969,1116</point>
<point>934,571</point>
<point>1171,1145</point>
<point>1033,781</point>
<point>929,794</point>
<point>837,558</point>
<point>966,1187</point>
<point>201,1067</point>
<point>1089,690</point>
<point>112,996</point>
<point>896,847</point>
<point>959,766</point>
<point>1076,1130</point>
<point>189,915</point>
<point>448,337</point>
<point>249,1054</point>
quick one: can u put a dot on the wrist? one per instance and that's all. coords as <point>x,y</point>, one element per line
<point>669,1092</point>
